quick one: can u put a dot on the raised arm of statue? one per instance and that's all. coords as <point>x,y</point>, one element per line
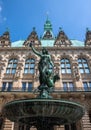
<point>33,49</point>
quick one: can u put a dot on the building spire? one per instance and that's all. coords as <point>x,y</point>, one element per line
<point>48,33</point>
<point>47,25</point>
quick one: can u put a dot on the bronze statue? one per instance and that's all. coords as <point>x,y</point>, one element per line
<point>46,77</point>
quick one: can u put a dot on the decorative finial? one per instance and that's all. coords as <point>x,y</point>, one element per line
<point>33,28</point>
<point>60,29</point>
<point>7,29</point>
<point>87,29</point>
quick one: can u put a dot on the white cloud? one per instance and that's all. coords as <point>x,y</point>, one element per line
<point>2,18</point>
<point>0,8</point>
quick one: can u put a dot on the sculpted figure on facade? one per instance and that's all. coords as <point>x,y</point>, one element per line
<point>76,73</point>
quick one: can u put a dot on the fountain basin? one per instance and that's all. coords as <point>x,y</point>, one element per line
<point>48,111</point>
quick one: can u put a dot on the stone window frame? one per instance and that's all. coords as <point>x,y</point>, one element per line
<point>87,86</point>
<point>65,65</point>
<point>82,61</point>
<point>7,86</point>
<point>68,88</point>
<point>12,67</point>
<point>29,67</point>
<point>26,86</point>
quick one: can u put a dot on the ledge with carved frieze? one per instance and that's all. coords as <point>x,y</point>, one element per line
<point>66,76</point>
<point>86,77</point>
<point>28,76</point>
<point>8,76</point>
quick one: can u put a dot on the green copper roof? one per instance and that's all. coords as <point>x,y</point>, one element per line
<point>47,43</point>
<point>48,26</point>
<point>77,43</point>
<point>17,43</point>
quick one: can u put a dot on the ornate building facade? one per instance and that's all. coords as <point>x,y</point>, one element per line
<point>19,76</point>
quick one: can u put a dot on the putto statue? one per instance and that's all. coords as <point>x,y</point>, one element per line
<point>47,78</point>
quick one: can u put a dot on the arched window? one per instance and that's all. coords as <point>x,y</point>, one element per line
<point>29,66</point>
<point>83,66</point>
<point>65,66</point>
<point>12,65</point>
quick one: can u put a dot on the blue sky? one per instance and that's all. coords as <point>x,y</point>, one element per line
<point>20,16</point>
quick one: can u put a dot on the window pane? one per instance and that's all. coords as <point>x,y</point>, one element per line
<point>87,71</point>
<point>32,60</point>
<point>62,65</point>
<point>68,71</point>
<point>71,87</point>
<point>31,71</point>
<point>4,86</point>
<point>65,86</point>
<point>85,86</point>
<point>25,71</point>
<point>8,71</point>
<point>26,65</point>
<point>85,65</point>
<point>28,60</point>
<point>32,65</point>
<point>9,65</point>
<point>68,65</point>
<point>63,71</point>
<point>9,86</point>
<point>82,71</point>
<point>90,84</point>
<point>66,60</point>
<point>80,65</point>
<point>29,86</point>
<point>15,60</point>
<point>13,71</point>
<point>24,86</point>
<point>62,60</point>
<point>83,60</point>
<point>11,60</point>
<point>14,65</point>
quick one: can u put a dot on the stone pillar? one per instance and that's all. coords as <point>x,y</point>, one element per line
<point>76,76</point>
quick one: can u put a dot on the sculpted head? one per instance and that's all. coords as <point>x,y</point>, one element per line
<point>44,51</point>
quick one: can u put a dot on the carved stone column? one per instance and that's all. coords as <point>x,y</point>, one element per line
<point>76,76</point>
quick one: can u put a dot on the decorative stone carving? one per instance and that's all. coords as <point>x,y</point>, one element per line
<point>76,73</point>
<point>62,39</point>
<point>88,38</point>
<point>5,40</point>
<point>33,37</point>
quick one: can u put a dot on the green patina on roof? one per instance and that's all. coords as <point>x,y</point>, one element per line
<point>47,25</point>
<point>17,43</point>
<point>77,43</point>
<point>47,43</point>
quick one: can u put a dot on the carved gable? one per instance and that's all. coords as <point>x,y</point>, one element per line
<point>62,40</point>
<point>88,38</point>
<point>33,37</point>
<point>5,40</point>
